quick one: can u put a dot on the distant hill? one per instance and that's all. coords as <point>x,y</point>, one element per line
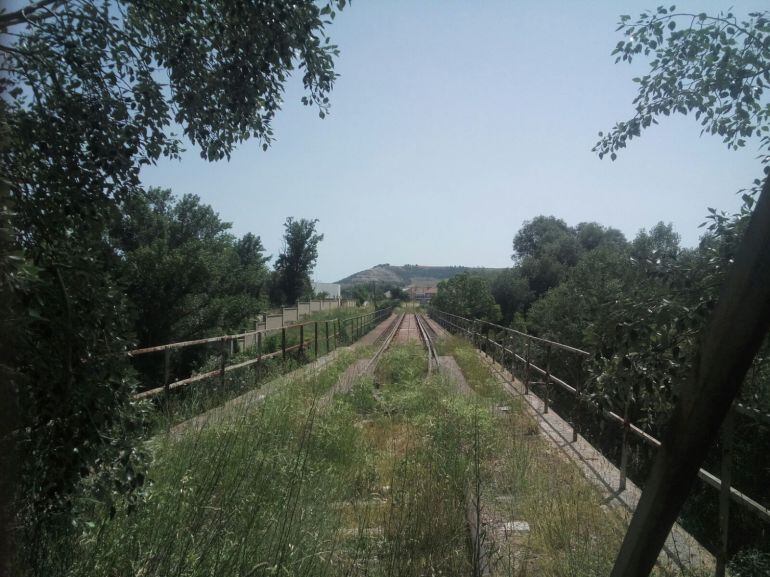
<point>411,274</point>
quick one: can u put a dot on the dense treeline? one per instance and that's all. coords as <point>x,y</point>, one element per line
<point>638,306</point>
<point>93,264</point>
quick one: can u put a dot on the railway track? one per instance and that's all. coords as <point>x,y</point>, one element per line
<point>389,336</point>
<point>406,327</point>
<point>427,335</point>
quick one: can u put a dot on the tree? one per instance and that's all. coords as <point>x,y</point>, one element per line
<point>545,248</point>
<point>592,235</point>
<point>716,67</point>
<point>510,290</point>
<point>467,296</point>
<point>296,262</point>
<point>91,92</point>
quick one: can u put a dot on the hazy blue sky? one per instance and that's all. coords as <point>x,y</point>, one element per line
<point>452,123</point>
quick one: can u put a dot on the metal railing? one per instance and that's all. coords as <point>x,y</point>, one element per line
<point>513,350</point>
<point>309,335</point>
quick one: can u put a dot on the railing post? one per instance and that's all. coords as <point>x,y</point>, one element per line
<point>166,372</point>
<point>624,450</point>
<point>259,354</point>
<point>326,328</point>
<point>301,341</point>
<point>315,338</point>
<point>546,399</point>
<point>527,368</point>
<point>578,400</point>
<point>223,361</point>
<point>728,427</point>
<point>283,343</point>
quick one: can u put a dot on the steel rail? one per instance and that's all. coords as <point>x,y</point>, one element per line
<point>428,342</point>
<point>385,344</point>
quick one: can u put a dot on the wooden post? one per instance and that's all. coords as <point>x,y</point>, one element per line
<point>724,492</point>
<point>326,327</point>
<point>283,343</point>
<point>315,338</point>
<point>546,400</point>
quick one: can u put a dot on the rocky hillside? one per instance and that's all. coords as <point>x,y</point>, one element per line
<point>410,274</point>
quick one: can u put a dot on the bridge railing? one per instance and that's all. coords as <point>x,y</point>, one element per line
<point>535,362</point>
<point>301,340</point>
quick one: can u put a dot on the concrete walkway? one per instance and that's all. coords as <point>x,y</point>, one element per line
<point>681,548</point>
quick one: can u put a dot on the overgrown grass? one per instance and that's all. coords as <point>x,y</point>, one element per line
<point>250,496</point>
<point>572,531</point>
<point>378,482</point>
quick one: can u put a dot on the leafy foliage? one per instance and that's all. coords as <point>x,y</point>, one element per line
<point>467,296</point>
<point>717,67</point>
<point>91,90</point>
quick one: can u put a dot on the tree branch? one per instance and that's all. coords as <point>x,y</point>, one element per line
<point>28,13</point>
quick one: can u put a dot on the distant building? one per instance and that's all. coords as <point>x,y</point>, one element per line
<point>421,294</point>
<point>332,290</point>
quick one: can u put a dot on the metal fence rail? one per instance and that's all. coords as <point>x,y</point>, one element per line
<point>332,332</point>
<point>513,350</point>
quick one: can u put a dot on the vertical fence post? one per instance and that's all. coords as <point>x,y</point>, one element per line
<point>283,343</point>
<point>259,354</point>
<point>315,338</point>
<point>547,394</point>
<point>326,328</point>
<point>527,368</point>
<point>166,372</point>
<point>624,450</point>
<point>513,356</point>
<point>728,427</point>
<point>578,400</point>
<point>223,361</point>
<point>301,341</point>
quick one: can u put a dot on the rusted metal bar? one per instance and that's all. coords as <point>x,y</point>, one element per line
<point>326,328</point>
<point>315,338</point>
<point>528,367</point>
<point>526,370</point>
<point>301,338</point>
<point>206,341</point>
<point>724,493</point>
<point>259,353</point>
<point>578,404</point>
<point>529,337</point>
<point>547,389</point>
<point>207,375</point>
<point>166,370</point>
<point>223,363</point>
<point>624,450</point>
